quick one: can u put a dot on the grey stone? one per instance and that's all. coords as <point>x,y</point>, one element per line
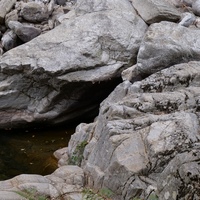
<point>34,12</point>
<point>166,44</point>
<point>196,7</point>
<point>64,182</point>
<point>153,11</point>
<point>51,78</point>
<point>146,137</point>
<point>24,32</point>
<point>5,7</point>
<point>11,16</point>
<point>9,40</point>
<point>187,19</point>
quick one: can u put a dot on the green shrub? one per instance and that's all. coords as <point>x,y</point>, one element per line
<point>103,194</point>
<point>77,155</point>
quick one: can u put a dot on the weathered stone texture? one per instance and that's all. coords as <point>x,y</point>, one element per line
<point>5,7</point>
<point>166,44</point>
<point>51,78</point>
<point>146,137</point>
<point>153,11</point>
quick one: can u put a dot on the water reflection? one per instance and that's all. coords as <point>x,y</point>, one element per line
<point>30,152</point>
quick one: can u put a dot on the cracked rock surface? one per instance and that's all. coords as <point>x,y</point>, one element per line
<point>51,78</point>
<point>146,137</point>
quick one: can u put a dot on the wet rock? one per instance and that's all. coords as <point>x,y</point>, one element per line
<point>11,16</point>
<point>24,32</point>
<point>156,11</point>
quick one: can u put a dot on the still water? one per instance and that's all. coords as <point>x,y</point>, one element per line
<point>31,152</point>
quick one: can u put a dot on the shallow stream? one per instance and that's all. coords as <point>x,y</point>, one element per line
<point>31,152</point>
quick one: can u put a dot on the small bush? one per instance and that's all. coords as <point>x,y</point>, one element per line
<point>103,194</point>
<point>77,155</point>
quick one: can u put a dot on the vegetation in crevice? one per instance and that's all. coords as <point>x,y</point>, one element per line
<point>77,155</point>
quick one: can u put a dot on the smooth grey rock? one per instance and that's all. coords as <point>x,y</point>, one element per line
<point>66,181</point>
<point>24,32</point>
<point>153,11</point>
<point>11,16</point>
<point>34,12</point>
<point>5,7</point>
<point>50,79</point>
<point>146,137</point>
<point>187,19</point>
<point>165,44</point>
<point>9,40</point>
<point>196,7</point>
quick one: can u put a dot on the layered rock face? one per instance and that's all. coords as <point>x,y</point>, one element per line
<point>65,73</point>
<point>146,137</point>
<point>145,141</point>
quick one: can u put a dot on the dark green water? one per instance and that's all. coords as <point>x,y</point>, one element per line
<point>31,152</point>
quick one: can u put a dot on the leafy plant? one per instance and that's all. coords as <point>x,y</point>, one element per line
<point>153,197</point>
<point>103,194</point>
<point>77,155</point>
<point>31,194</point>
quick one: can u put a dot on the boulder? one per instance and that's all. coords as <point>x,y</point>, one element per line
<point>24,32</point>
<point>5,7</point>
<point>188,19</point>
<point>145,141</point>
<point>65,73</point>
<point>196,7</point>
<point>9,40</point>
<point>11,16</point>
<point>65,182</point>
<point>153,11</point>
<point>166,44</point>
<point>34,12</point>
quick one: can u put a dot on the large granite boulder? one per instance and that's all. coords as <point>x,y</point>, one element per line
<point>166,44</point>
<point>65,73</point>
<point>145,141</point>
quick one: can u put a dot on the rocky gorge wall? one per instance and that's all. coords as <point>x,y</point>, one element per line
<point>145,141</point>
